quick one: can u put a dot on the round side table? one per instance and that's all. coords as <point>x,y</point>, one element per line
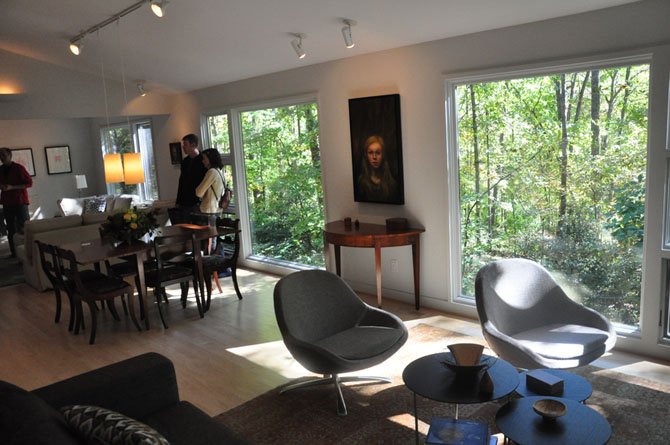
<point>429,377</point>
<point>575,387</point>
<point>580,425</point>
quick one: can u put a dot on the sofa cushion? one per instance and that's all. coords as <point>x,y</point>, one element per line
<point>194,426</point>
<point>104,426</point>
<point>123,202</point>
<point>27,419</point>
<point>94,218</point>
<point>33,227</point>
<point>71,206</point>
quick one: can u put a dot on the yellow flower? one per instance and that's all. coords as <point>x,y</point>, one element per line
<point>133,226</point>
<point>133,216</point>
<point>126,216</point>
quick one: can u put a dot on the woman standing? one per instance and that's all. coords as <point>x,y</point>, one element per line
<point>212,186</point>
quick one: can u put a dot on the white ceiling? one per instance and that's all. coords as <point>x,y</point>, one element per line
<point>201,43</point>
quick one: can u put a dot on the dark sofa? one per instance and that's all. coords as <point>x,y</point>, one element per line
<point>143,388</point>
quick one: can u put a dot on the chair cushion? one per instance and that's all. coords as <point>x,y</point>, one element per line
<point>104,426</point>
<point>27,419</point>
<point>562,341</point>
<point>361,342</point>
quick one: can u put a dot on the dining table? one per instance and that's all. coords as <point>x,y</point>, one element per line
<point>95,251</point>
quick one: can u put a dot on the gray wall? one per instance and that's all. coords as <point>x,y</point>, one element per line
<point>84,154</point>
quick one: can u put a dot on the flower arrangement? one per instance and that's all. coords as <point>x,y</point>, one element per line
<point>130,225</point>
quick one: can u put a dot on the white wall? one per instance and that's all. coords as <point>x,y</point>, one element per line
<point>84,154</point>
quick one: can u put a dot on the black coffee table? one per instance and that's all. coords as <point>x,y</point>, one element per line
<point>429,377</point>
<point>580,425</point>
<point>575,387</point>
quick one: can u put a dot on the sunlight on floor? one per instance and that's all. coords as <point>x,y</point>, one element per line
<point>275,356</point>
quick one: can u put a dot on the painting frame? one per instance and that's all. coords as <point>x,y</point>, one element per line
<point>58,158</point>
<point>175,153</point>
<point>376,149</point>
<point>24,157</point>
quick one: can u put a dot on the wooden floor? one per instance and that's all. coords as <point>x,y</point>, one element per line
<point>34,351</point>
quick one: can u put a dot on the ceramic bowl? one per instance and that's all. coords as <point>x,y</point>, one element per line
<point>550,409</point>
<point>465,370</point>
<point>466,354</point>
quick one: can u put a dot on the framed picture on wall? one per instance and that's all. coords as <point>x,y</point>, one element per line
<point>175,153</point>
<point>58,159</point>
<point>24,156</point>
<point>376,149</point>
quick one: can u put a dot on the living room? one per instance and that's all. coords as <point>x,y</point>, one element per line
<point>63,106</point>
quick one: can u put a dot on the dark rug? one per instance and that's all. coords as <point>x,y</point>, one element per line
<point>382,414</point>
<point>11,271</point>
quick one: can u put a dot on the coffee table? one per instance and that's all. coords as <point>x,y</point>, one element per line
<point>575,387</point>
<point>429,377</point>
<point>580,425</point>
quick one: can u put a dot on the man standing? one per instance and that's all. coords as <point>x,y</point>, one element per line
<point>14,182</point>
<point>192,173</point>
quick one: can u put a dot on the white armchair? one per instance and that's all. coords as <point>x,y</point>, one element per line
<point>529,321</point>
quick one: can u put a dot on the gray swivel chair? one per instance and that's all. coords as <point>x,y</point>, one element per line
<point>330,331</point>
<point>529,321</point>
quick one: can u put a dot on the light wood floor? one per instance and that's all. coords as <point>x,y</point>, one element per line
<point>34,351</point>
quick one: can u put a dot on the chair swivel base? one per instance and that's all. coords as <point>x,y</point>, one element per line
<point>336,379</point>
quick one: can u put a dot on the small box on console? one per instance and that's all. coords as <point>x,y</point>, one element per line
<point>544,383</point>
<point>396,224</point>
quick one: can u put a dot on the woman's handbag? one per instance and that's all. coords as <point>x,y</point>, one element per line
<point>224,200</point>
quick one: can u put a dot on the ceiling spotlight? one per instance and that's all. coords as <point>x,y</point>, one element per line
<point>297,45</point>
<point>158,7</point>
<point>75,47</point>
<point>140,88</point>
<point>346,33</point>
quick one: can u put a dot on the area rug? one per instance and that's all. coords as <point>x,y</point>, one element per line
<point>11,271</point>
<point>383,414</point>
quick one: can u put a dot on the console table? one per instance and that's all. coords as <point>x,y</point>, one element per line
<point>377,236</point>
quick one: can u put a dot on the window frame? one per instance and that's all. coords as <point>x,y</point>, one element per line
<point>650,281</point>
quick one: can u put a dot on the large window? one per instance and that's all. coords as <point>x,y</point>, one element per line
<point>552,167</point>
<point>132,138</point>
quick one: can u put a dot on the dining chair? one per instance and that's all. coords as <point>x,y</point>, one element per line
<point>167,272</point>
<point>223,257</point>
<point>96,287</point>
<point>52,269</point>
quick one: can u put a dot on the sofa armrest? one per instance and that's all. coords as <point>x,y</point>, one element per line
<point>135,387</point>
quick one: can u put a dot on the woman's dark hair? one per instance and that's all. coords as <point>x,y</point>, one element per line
<point>214,157</point>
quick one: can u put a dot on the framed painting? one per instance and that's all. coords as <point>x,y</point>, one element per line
<point>24,156</point>
<point>58,159</point>
<point>175,153</point>
<point>376,149</point>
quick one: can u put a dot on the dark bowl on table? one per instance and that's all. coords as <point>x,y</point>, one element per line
<point>466,370</point>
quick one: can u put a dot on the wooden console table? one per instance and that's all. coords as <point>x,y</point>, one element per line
<point>373,235</point>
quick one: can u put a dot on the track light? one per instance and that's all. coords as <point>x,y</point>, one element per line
<point>75,47</point>
<point>346,33</point>
<point>140,88</point>
<point>297,45</point>
<point>158,7</point>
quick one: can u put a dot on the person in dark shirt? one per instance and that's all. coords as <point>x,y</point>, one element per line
<point>14,182</point>
<point>192,173</point>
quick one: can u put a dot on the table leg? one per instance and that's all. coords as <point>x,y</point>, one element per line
<point>338,263</point>
<point>456,414</point>
<point>326,253</point>
<point>416,264</point>
<point>142,288</point>
<point>378,272</point>
<point>416,421</point>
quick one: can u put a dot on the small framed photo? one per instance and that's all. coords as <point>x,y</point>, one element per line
<point>175,153</point>
<point>24,157</point>
<point>58,159</point>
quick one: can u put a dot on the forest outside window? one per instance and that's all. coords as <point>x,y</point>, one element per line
<point>552,168</point>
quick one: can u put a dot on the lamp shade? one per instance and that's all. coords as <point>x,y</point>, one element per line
<point>113,168</point>
<point>80,180</point>
<point>133,171</point>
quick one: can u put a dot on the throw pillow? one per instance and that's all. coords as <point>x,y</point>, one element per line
<point>104,426</point>
<point>95,205</point>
